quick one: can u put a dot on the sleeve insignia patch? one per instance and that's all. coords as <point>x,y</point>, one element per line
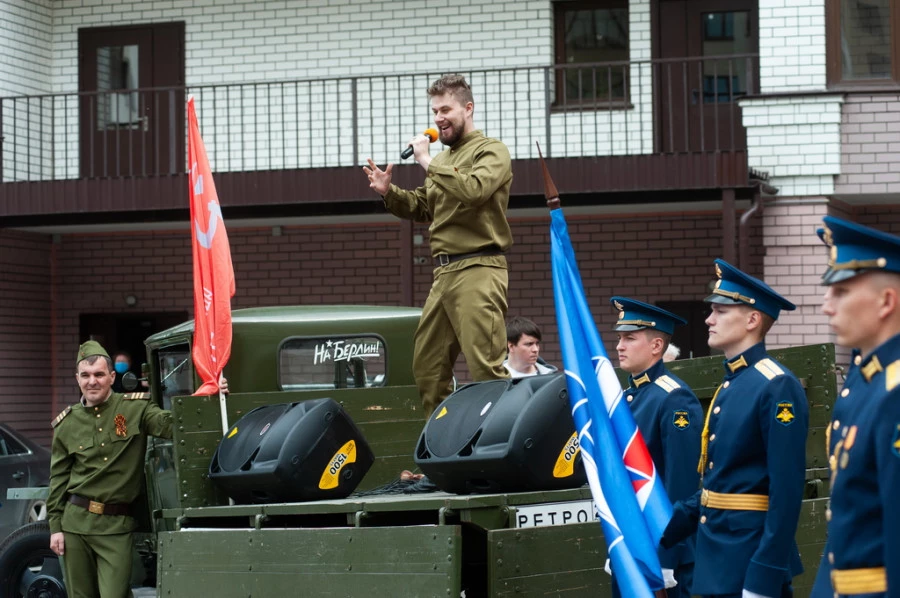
<point>784,413</point>
<point>136,396</point>
<point>895,443</point>
<point>61,416</point>
<point>681,419</point>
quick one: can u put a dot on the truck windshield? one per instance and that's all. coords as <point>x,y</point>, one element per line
<point>176,373</point>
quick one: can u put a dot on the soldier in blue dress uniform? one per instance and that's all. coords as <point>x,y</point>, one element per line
<point>862,302</point>
<point>753,453</point>
<point>668,415</point>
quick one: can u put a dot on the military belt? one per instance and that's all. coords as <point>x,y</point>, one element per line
<point>734,502</point>
<point>99,508</point>
<point>872,580</point>
<point>444,259</point>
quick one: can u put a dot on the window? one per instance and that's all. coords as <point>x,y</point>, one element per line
<point>862,42</point>
<point>176,373</point>
<point>725,34</point>
<point>10,446</point>
<point>591,52</point>
<point>333,362</point>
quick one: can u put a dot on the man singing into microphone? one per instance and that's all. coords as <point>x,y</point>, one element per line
<point>464,197</point>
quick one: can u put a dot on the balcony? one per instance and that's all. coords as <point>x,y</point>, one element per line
<point>612,127</point>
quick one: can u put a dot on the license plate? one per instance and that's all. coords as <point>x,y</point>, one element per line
<point>559,513</point>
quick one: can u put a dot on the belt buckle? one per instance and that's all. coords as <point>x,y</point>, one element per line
<point>443,259</point>
<point>96,507</point>
<point>704,497</point>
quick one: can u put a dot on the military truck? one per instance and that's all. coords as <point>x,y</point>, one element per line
<point>192,538</point>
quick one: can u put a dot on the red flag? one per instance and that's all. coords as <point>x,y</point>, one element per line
<point>213,272</point>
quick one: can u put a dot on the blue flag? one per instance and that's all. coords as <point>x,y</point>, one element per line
<point>634,509</point>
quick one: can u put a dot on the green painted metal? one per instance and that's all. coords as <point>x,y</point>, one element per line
<point>352,562</point>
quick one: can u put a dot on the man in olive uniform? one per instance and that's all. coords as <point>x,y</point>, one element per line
<point>752,455</point>
<point>464,197</point>
<point>95,474</point>
<point>668,415</point>
<point>862,302</point>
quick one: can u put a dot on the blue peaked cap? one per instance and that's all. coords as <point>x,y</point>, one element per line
<point>856,249</point>
<point>637,315</point>
<point>735,287</point>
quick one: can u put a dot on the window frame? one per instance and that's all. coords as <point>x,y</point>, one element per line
<point>833,62</point>
<point>558,104</point>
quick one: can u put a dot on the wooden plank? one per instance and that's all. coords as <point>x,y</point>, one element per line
<point>352,562</point>
<point>564,560</point>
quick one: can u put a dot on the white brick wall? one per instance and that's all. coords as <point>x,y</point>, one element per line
<point>235,42</point>
<point>797,140</point>
<point>25,38</point>
<point>791,45</point>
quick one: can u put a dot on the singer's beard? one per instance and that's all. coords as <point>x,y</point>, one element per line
<point>456,132</point>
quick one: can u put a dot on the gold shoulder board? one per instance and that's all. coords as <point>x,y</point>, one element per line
<point>768,368</point>
<point>892,375</point>
<point>666,383</point>
<point>136,396</point>
<point>61,416</point>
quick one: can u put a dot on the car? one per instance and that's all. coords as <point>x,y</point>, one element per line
<point>23,464</point>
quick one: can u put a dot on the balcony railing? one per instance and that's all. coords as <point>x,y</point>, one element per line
<point>609,109</point>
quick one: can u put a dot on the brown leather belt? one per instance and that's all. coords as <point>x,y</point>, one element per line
<point>99,508</point>
<point>444,259</point>
<point>872,580</point>
<point>734,502</point>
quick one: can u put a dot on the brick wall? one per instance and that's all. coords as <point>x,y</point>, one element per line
<point>797,140</point>
<point>655,257</point>
<point>870,145</point>
<point>26,320</point>
<point>791,45</point>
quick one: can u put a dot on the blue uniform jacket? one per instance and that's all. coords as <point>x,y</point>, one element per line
<point>822,586</point>
<point>757,445</point>
<point>864,525</point>
<point>669,417</point>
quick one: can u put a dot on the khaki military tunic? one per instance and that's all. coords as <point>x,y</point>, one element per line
<point>465,197</point>
<point>98,454</point>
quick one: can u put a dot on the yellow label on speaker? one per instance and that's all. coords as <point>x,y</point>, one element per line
<point>233,432</point>
<point>565,463</point>
<point>442,413</point>
<point>331,475</point>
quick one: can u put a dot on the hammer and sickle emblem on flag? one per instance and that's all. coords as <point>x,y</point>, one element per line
<point>215,214</point>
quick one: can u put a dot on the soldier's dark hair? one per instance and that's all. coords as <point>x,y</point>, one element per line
<point>455,85</point>
<point>518,326</point>
<point>93,359</point>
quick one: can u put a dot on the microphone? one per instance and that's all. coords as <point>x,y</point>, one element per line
<point>432,134</point>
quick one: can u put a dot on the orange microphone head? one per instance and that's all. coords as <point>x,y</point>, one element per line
<point>432,134</point>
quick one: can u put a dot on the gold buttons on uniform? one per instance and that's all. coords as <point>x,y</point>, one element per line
<point>99,429</point>
<point>712,437</point>
<point>845,392</point>
<point>629,398</point>
<point>857,360</point>
<point>726,384</point>
<point>98,415</point>
<point>80,447</point>
<point>710,464</point>
<point>102,444</point>
<point>717,409</point>
<point>105,459</point>
<point>828,515</point>
<point>836,425</point>
<point>831,558</point>
<point>703,519</point>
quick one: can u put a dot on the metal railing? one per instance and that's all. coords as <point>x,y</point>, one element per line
<point>585,110</point>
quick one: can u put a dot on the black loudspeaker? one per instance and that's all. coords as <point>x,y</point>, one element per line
<point>291,452</point>
<point>503,436</point>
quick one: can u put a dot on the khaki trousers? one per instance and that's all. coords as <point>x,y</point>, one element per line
<point>98,566</point>
<point>465,311</point>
